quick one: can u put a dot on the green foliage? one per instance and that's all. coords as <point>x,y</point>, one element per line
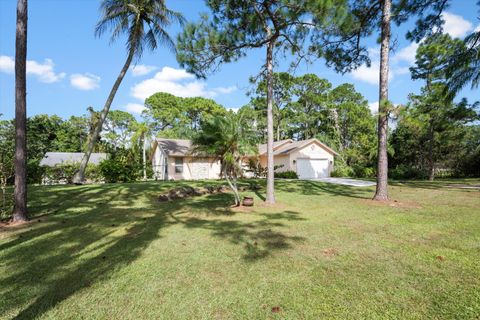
<point>144,21</point>
<point>342,171</point>
<point>117,128</point>
<point>286,175</point>
<point>404,171</point>
<point>256,168</point>
<point>35,171</point>
<point>122,166</point>
<point>176,117</point>
<point>63,173</point>
<point>228,141</point>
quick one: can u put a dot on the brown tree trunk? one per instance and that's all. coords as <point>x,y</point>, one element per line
<point>382,157</point>
<point>270,199</point>
<point>80,175</point>
<point>20,193</point>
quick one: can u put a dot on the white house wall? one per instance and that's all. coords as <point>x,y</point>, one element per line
<point>312,151</point>
<point>213,169</point>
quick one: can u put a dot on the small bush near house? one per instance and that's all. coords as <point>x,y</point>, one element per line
<point>286,175</point>
<point>363,172</point>
<point>35,171</point>
<point>342,171</point>
<point>64,173</point>
<point>117,170</point>
<point>60,173</point>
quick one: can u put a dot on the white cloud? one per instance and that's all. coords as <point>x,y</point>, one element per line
<point>406,54</point>
<point>373,107</point>
<point>134,107</point>
<point>366,74</point>
<point>44,71</point>
<point>86,81</point>
<point>456,26</point>
<point>142,69</point>
<point>225,90</point>
<point>7,64</point>
<point>177,82</point>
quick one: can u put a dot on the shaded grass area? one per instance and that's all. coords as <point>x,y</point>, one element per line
<point>113,251</point>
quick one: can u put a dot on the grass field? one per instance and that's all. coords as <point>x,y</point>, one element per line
<point>325,251</point>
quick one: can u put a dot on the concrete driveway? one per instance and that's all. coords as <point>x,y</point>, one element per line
<point>347,182</point>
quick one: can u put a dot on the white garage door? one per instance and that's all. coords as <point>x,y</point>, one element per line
<point>312,168</point>
<point>200,169</point>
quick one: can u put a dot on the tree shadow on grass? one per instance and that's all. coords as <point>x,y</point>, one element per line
<point>96,230</point>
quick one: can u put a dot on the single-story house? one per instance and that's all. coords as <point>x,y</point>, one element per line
<point>57,159</point>
<point>52,159</point>
<point>172,159</point>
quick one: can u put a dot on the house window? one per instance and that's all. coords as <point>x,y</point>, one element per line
<point>178,165</point>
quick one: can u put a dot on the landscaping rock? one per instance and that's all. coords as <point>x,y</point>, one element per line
<point>187,192</point>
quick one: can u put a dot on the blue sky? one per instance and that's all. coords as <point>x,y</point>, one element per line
<point>69,69</point>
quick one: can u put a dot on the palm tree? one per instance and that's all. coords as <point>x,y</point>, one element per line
<point>464,67</point>
<point>144,22</point>
<point>229,141</point>
<point>382,156</point>
<point>141,132</point>
<point>20,193</point>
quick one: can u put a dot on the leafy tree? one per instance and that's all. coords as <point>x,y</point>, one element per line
<point>379,15</point>
<point>432,126</point>
<point>7,170</point>
<point>20,193</point>
<point>282,92</point>
<point>42,133</point>
<point>176,117</point>
<point>116,128</point>
<point>310,111</point>
<point>431,58</point>
<point>238,26</point>
<point>230,142</point>
<point>144,23</point>
<point>72,134</point>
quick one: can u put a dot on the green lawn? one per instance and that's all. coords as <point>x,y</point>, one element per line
<point>325,251</point>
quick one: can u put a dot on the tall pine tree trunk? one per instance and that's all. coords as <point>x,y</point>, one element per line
<point>382,157</point>
<point>270,166</point>
<point>80,175</point>
<point>20,193</point>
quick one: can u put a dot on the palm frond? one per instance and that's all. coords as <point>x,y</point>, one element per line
<point>143,21</point>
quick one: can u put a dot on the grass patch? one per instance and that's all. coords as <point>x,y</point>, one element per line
<point>113,251</point>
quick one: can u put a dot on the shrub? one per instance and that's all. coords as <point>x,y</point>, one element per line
<point>286,175</point>
<point>407,172</point>
<point>62,173</point>
<point>34,171</point>
<point>342,171</point>
<point>363,172</point>
<point>118,170</point>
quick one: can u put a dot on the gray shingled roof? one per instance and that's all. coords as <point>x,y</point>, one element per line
<point>181,148</point>
<point>175,147</point>
<point>262,148</point>
<point>290,146</point>
<point>54,158</point>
